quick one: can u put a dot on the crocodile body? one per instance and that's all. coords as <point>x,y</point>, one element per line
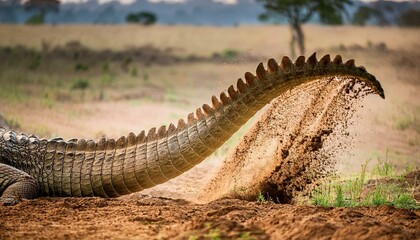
<point>32,167</point>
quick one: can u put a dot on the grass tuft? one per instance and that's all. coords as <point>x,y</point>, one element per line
<point>384,187</point>
<point>339,197</point>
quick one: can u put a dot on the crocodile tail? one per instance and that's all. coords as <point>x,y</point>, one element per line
<point>110,168</point>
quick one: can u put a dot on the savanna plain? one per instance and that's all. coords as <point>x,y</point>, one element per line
<point>106,81</point>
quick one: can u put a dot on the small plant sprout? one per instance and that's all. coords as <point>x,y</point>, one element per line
<point>261,198</point>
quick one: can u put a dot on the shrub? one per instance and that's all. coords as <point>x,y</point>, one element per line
<point>80,84</point>
<point>144,18</point>
<point>36,19</point>
<point>229,54</point>
<point>81,67</point>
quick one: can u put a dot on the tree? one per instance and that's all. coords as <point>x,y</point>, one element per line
<point>375,11</point>
<point>42,6</point>
<point>132,18</point>
<point>298,12</point>
<point>144,18</point>
<point>379,10</point>
<point>410,18</point>
<point>362,15</point>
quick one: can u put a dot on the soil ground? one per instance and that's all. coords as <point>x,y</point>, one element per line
<point>161,218</point>
<point>174,210</point>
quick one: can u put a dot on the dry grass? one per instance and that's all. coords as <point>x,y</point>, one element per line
<point>188,40</point>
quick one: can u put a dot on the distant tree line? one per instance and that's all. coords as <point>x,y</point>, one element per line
<point>410,18</point>
<point>377,13</point>
<point>298,12</point>
<point>42,7</point>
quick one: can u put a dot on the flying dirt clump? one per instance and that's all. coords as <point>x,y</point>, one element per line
<point>294,144</point>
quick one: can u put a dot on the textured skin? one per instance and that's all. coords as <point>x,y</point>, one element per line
<point>108,168</point>
<point>16,183</point>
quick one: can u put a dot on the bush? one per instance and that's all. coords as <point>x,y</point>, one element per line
<point>36,19</point>
<point>35,62</point>
<point>230,54</point>
<point>144,18</point>
<point>81,84</point>
<point>81,67</point>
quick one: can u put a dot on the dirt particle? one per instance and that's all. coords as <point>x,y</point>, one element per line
<point>294,143</point>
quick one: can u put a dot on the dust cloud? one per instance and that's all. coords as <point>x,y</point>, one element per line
<point>295,143</point>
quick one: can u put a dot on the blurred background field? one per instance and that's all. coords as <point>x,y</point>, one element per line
<point>89,81</point>
<point>93,81</point>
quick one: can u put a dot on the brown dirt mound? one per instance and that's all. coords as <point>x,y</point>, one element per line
<point>160,218</point>
<point>294,144</point>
